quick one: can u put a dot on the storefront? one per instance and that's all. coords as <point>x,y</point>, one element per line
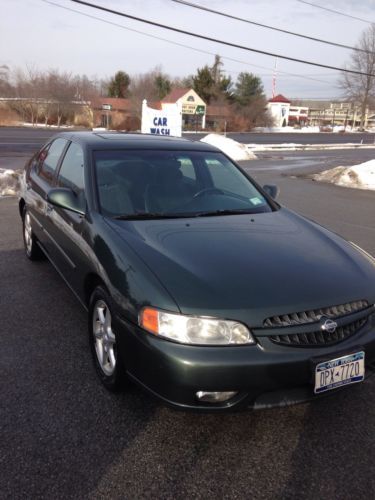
<point>193,108</point>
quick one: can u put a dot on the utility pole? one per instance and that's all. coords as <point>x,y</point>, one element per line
<point>274,79</point>
<point>346,119</point>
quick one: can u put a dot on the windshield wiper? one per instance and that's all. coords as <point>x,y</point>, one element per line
<point>149,215</point>
<point>213,213</point>
<point>182,215</point>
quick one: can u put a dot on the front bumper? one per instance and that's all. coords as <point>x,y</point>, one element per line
<point>263,375</point>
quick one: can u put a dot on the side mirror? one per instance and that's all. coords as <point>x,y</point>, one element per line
<point>272,190</point>
<point>65,198</point>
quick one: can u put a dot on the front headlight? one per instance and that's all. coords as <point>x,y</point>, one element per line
<point>194,329</point>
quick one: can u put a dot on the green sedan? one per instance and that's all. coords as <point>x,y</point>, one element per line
<point>199,286</point>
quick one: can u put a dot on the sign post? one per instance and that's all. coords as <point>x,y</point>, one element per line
<point>106,108</point>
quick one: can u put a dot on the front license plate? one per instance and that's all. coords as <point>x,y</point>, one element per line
<point>340,371</point>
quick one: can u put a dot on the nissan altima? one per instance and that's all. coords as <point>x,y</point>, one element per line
<point>198,285</point>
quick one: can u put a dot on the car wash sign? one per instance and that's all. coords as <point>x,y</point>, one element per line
<point>161,122</point>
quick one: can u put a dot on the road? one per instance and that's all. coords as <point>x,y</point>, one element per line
<point>24,141</point>
<point>298,138</point>
<point>64,437</point>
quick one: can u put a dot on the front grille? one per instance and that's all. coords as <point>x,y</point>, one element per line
<point>319,337</point>
<point>314,315</point>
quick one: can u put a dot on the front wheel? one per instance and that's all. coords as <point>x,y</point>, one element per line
<point>32,250</point>
<point>103,340</point>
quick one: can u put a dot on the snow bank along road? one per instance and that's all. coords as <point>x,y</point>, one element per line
<point>63,436</point>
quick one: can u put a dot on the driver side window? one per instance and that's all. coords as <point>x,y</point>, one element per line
<point>71,174</point>
<point>49,158</point>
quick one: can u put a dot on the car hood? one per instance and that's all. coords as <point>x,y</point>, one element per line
<point>249,267</point>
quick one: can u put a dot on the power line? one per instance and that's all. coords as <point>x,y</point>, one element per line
<point>335,11</point>
<point>222,42</point>
<point>305,77</point>
<point>248,21</point>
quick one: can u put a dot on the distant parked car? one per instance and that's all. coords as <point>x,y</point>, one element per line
<point>199,286</point>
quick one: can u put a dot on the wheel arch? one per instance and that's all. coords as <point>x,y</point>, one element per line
<point>21,206</point>
<point>92,280</point>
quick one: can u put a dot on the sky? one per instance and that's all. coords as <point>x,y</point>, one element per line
<point>38,34</point>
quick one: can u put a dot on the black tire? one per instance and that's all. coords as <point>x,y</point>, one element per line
<point>32,250</point>
<point>103,341</point>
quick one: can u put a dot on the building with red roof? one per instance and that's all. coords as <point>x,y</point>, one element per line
<point>278,108</point>
<point>280,98</point>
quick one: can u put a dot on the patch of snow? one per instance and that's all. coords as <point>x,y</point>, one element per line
<point>305,130</point>
<point>233,149</point>
<point>290,146</point>
<point>340,128</point>
<point>43,125</point>
<point>9,182</point>
<point>310,130</point>
<point>359,176</point>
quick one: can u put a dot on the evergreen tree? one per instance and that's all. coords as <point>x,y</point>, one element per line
<point>210,83</point>
<point>119,85</point>
<point>163,85</point>
<point>248,87</point>
<point>204,84</point>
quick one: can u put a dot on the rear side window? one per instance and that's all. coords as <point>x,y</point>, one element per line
<point>49,159</point>
<point>71,174</point>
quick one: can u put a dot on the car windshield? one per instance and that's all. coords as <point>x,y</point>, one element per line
<point>166,184</point>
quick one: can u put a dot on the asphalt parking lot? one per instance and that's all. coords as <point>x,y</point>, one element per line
<point>63,436</point>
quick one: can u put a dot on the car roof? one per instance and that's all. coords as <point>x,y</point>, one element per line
<point>121,140</point>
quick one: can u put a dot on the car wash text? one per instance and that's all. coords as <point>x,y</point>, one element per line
<point>161,126</point>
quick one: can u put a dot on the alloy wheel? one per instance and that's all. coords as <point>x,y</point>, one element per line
<point>104,338</point>
<point>28,233</point>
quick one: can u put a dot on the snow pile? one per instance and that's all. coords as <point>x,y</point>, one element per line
<point>44,125</point>
<point>338,129</point>
<point>287,146</point>
<point>231,148</point>
<point>287,129</point>
<point>9,182</point>
<point>359,176</point>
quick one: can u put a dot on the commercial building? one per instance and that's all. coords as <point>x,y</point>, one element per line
<point>336,113</point>
<point>193,107</point>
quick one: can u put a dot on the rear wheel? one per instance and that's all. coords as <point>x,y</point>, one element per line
<point>32,250</point>
<point>103,340</point>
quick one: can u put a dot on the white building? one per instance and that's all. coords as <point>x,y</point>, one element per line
<point>279,107</point>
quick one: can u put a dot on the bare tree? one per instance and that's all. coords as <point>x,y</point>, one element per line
<point>52,96</point>
<point>26,89</point>
<point>144,86</point>
<point>5,86</point>
<point>360,89</point>
<point>62,94</point>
